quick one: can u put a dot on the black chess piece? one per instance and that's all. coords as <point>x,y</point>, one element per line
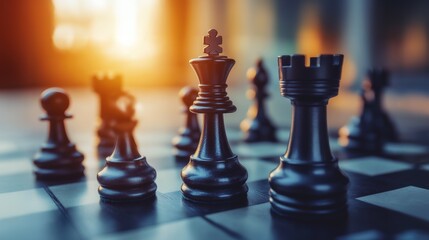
<point>213,173</point>
<point>186,142</point>
<point>58,158</point>
<point>257,127</point>
<point>126,176</point>
<point>373,128</point>
<point>109,90</point>
<point>379,81</point>
<point>308,182</point>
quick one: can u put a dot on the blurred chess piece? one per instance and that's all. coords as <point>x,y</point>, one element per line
<point>369,131</point>
<point>58,158</point>
<point>109,90</point>
<point>257,127</point>
<point>126,176</point>
<point>186,142</point>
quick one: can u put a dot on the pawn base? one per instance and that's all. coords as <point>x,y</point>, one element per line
<point>58,163</point>
<point>217,181</point>
<point>132,195</point>
<point>125,181</point>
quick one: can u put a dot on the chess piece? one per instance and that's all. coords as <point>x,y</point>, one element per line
<point>257,127</point>
<point>370,131</point>
<point>213,173</point>
<point>109,90</point>
<point>58,158</point>
<point>308,182</point>
<point>186,142</point>
<point>126,176</point>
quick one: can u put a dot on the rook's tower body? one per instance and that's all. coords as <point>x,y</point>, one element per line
<point>308,182</point>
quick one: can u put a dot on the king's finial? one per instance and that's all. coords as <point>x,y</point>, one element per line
<point>213,41</point>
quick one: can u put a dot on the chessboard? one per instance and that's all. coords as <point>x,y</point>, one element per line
<point>387,198</point>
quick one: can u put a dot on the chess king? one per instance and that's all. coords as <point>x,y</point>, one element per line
<point>213,173</point>
<point>308,181</point>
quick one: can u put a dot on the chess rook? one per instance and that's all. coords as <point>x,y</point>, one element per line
<point>108,89</point>
<point>58,158</point>
<point>186,142</point>
<point>213,173</point>
<point>257,127</point>
<point>308,182</point>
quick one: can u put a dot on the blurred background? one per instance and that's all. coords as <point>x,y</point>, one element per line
<point>64,42</point>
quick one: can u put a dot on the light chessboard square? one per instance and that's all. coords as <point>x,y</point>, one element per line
<point>14,204</point>
<point>373,166</point>
<point>409,200</point>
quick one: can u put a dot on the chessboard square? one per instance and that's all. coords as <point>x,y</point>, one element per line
<point>15,166</point>
<point>260,150</point>
<point>14,204</point>
<point>168,180</point>
<point>373,166</point>
<point>76,194</point>
<point>257,169</point>
<point>193,228</point>
<point>50,225</point>
<point>409,200</point>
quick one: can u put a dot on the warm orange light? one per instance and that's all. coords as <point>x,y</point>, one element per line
<point>309,37</point>
<point>415,45</point>
<point>121,29</point>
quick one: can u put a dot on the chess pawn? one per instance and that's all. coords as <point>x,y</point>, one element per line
<point>308,182</point>
<point>58,158</point>
<point>213,174</point>
<point>108,89</point>
<point>257,127</point>
<point>186,142</point>
<point>369,131</point>
<point>126,176</point>
<point>377,81</point>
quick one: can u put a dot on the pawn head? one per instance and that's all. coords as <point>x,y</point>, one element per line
<point>188,95</point>
<point>55,101</point>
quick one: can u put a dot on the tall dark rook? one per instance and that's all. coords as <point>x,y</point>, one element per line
<point>213,173</point>
<point>308,181</point>
<point>109,90</point>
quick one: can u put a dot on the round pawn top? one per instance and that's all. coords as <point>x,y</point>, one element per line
<point>188,95</point>
<point>55,101</point>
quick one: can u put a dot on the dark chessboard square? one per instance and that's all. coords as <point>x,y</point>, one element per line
<point>409,200</point>
<point>106,218</point>
<point>48,225</point>
<point>187,229</point>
